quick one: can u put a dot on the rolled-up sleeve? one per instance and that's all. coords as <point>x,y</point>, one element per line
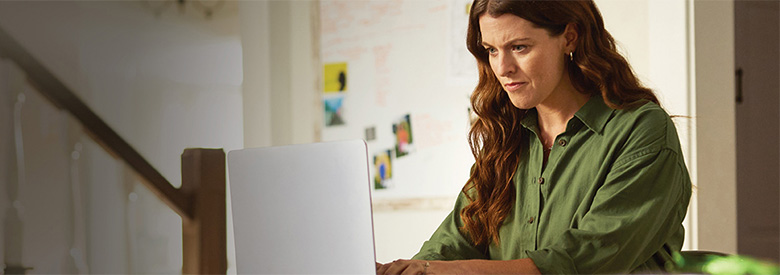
<point>640,205</point>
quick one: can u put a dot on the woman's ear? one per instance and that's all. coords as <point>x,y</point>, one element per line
<point>570,35</point>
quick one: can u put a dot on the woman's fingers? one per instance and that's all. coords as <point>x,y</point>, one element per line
<point>382,268</point>
<point>397,267</point>
<point>402,267</point>
<point>414,268</point>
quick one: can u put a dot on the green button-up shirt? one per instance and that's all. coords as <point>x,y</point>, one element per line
<point>611,199</point>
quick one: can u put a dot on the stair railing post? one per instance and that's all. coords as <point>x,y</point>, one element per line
<point>205,233</point>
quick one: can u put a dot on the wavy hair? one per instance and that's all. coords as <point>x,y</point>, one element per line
<point>495,136</point>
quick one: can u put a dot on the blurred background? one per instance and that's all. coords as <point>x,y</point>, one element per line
<point>170,75</point>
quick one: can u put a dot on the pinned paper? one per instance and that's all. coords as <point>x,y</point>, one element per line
<point>383,170</point>
<point>403,136</point>
<point>333,111</point>
<point>335,77</point>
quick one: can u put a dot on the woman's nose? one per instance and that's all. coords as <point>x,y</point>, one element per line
<point>506,64</point>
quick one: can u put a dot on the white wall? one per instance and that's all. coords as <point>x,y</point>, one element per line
<point>163,83</point>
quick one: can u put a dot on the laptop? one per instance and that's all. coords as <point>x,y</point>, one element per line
<point>302,209</point>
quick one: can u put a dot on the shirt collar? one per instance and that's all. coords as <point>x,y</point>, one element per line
<point>530,121</point>
<point>594,114</point>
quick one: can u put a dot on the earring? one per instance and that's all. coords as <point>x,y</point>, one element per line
<point>571,56</point>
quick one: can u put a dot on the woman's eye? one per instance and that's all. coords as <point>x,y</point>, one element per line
<point>519,48</point>
<point>491,51</point>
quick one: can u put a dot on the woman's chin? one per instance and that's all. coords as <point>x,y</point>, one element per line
<point>521,103</point>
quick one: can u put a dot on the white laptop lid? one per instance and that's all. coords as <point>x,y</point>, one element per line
<point>302,209</point>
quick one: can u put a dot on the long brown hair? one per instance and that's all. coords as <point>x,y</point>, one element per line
<point>495,137</point>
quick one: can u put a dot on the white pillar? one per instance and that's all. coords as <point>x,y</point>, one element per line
<point>256,46</point>
<point>714,118</point>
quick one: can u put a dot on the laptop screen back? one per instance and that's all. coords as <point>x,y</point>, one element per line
<point>302,209</point>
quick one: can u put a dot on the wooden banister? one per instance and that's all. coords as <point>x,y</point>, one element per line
<point>201,199</point>
<point>205,234</point>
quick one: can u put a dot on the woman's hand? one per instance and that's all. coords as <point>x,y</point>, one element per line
<point>419,267</point>
<point>416,267</point>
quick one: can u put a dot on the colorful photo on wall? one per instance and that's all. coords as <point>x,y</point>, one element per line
<point>333,111</point>
<point>383,170</point>
<point>404,144</point>
<point>334,76</point>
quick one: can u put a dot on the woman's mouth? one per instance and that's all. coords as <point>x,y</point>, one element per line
<point>513,86</point>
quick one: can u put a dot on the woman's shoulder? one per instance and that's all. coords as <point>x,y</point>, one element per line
<point>644,125</point>
<point>643,114</point>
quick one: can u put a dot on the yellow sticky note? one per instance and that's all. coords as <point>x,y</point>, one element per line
<point>335,77</point>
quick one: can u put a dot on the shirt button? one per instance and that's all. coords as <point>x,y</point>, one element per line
<point>531,220</point>
<point>562,142</point>
<point>541,180</point>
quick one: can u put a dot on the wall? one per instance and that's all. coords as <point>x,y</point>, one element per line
<point>163,82</point>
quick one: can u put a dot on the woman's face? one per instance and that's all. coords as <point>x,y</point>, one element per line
<point>526,60</point>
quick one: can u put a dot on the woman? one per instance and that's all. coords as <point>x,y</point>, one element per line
<point>578,169</point>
